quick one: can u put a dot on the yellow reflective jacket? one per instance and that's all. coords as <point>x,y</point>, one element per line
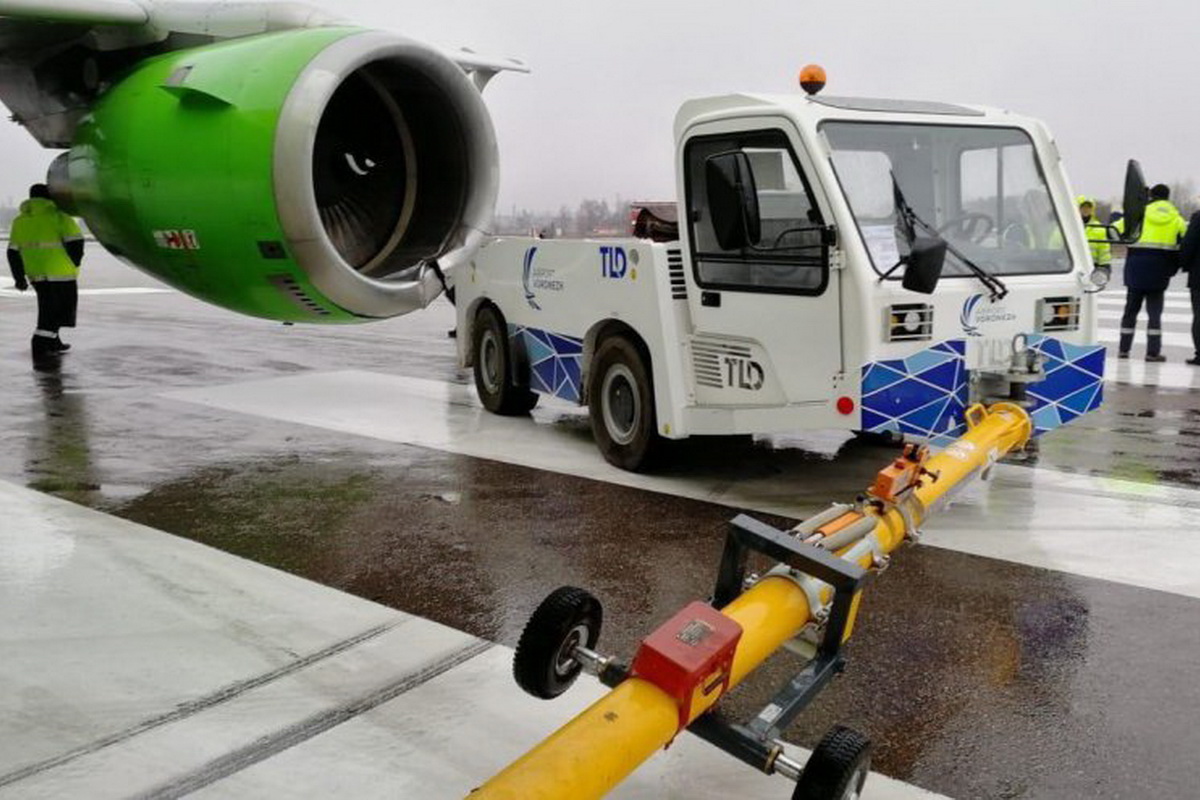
<point>1097,234</point>
<point>39,233</point>
<point>1163,227</point>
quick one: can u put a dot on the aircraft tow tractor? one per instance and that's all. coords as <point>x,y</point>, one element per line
<point>807,604</point>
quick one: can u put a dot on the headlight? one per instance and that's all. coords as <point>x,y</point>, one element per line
<point>908,322</point>
<point>1101,276</point>
<point>1058,314</point>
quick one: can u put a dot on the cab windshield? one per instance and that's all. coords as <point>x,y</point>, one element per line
<point>982,189</point>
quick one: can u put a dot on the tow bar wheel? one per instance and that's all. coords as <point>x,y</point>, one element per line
<point>838,767</point>
<point>544,664</point>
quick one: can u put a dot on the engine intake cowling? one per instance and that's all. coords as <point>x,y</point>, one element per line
<point>308,175</point>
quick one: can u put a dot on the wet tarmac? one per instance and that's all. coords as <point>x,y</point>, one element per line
<point>975,677</point>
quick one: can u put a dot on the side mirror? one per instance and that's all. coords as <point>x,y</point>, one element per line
<point>924,264</point>
<point>1100,277</point>
<point>1136,197</point>
<point>732,200</point>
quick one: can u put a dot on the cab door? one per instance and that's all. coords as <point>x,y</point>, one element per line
<point>766,318</point>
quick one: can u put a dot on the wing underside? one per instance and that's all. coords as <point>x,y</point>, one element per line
<point>81,12</point>
<point>57,56</point>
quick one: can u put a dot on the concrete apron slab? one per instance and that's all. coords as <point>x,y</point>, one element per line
<point>137,664</point>
<point>1043,518</point>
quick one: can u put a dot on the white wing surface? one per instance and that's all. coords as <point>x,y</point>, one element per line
<point>89,12</point>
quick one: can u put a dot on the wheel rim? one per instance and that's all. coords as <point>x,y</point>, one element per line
<point>490,362</point>
<point>855,786</point>
<point>622,404</point>
<point>564,660</point>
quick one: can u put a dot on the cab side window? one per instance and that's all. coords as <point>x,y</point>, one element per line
<point>790,254</point>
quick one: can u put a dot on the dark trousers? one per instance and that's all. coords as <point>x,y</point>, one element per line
<point>1195,290</point>
<point>57,303</point>
<point>1154,299</point>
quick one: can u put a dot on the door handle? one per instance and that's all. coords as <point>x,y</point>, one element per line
<point>710,299</point>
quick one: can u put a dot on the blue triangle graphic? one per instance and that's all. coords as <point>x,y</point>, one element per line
<point>952,415</point>
<point>537,348</point>
<point>1075,352</point>
<point>928,416</point>
<point>944,376</point>
<point>1063,382</point>
<point>565,345</point>
<point>571,366</point>
<point>926,359</point>
<point>880,377</point>
<point>1082,401</point>
<point>876,422</point>
<point>559,377</point>
<point>1051,348</point>
<point>896,365</point>
<point>1046,418</point>
<point>909,428</point>
<point>1093,362</point>
<point>543,374</point>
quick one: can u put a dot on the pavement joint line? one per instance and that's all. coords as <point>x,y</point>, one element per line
<point>191,707</point>
<point>267,746</point>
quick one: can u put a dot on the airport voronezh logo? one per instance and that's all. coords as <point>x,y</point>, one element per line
<point>527,279</point>
<point>968,313</point>
<point>540,279</point>
<point>975,313</point>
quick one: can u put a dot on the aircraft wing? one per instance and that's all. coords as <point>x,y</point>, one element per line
<point>55,55</point>
<point>86,12</point>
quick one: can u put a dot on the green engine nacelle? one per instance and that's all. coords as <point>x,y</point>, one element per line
<point>309,175</point>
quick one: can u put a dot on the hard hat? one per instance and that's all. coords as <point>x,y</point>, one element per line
<point>1082,199</point>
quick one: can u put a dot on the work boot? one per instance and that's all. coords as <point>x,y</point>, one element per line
<point>1126,343</point>
<point>43,346</point>
<point>1194,361</point>
<point>61,346</point>
<point>1156,358</point>
<point>1123,354</point>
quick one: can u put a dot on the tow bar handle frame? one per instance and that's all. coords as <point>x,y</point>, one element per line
<point>747,535</point>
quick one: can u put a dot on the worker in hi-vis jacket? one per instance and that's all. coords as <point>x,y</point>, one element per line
<point>45,249</point>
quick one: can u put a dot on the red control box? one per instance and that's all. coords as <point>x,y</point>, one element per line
<point>690,657</point>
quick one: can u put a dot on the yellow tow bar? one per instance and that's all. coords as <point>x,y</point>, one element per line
<point>600,747</point>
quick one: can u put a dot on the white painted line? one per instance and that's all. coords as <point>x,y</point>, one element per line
<point>1117,295</point>
<point>1038,517</point>
<point>109,292</point>
<point>1119,308</point>
<point>138,662</point>
<point>1170,338</point>
<point>343,762</point>
<point>1166,317</point>
<point>1136,372</point>
<point>1172,299</point>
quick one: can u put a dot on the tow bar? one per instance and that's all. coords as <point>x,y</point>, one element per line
<point>807,604</point>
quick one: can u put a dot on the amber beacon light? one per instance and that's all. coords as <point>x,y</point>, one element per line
<point>812,78</point>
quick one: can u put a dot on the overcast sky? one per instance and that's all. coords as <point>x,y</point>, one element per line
<point>1113,79</point>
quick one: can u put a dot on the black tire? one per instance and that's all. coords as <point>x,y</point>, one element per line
<point>493,367</point>
<point>621,405</point>
<point>880,438</point>
<point>542,665</point>
<point>838,767</point>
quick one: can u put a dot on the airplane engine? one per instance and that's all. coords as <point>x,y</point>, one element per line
<point>308,175</point>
